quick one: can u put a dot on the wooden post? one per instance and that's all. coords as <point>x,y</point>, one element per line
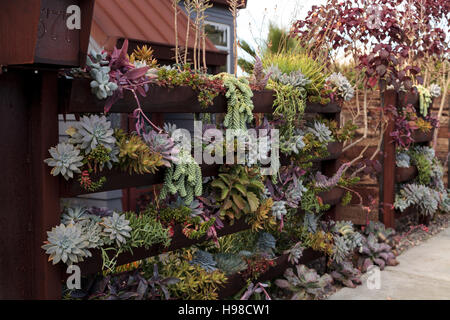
<point>390,98</point>
<point>44,187</point>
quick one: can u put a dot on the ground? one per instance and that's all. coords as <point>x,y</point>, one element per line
<point>423,272</point>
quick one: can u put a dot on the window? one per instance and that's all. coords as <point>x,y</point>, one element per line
<point>219,34</point>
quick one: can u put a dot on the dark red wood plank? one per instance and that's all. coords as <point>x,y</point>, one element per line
<point>390,98</point>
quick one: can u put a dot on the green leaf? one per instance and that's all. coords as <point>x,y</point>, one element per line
<point>239,201</point>
<point>253,201</point>
<point>241,189</point>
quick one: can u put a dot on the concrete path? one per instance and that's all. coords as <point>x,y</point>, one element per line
<point>423,273</point>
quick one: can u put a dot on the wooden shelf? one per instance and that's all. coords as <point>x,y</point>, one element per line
<point>179,240</point>
<point>332,197</point>
<point>116,180</point>
<point>405,174</point>
<point>420,136</point>
<point>79,99</point>
<point>354,213</point>
<point>236,282</point>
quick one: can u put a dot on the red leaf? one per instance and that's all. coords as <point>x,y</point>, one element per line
<point>372,82</point>
<point>137,73</point>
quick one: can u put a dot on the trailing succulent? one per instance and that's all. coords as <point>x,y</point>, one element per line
<point>305,284</point>
<point>240,104</point>
<point>184,178</point>
<point>374,253</point>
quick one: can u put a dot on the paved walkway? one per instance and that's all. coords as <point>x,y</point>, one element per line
<point>423,273</point>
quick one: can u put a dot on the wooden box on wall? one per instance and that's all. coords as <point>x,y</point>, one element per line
<point>35,32</point>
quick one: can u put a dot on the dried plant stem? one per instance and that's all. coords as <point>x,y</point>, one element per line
<point>175,10</point>
<point>446,84</point>
<point>234,6</point>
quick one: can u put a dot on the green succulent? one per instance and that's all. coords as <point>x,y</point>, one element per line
<point>164,145</point>
<point>91,132</point>
<point>205,260</point>
<point>305,284</point>
<point>66,160</point>
<point>184,179</point>
<point>230,263</point>
<point>116,228</point>
<point>321,132</point>
<point>74,215</point>
<point>240,104</point>
<point>239,190</point>
<point>92,231</point>
<point>66,244</point>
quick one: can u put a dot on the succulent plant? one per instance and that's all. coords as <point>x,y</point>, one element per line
<point>323,182</point>
<point>100,85</point>
<point>66,244</point>
<point>321,132</point>
<point>345,239</point>
<point>100,212</point>
<point>74,215</point>
<point>91,132</point>
<point>239,101</point>
<point>169,128</point>
<point>295,253</point>
<point>424,198</point>
<point>342,85</point>
<point>435,90</point>
<point>266,243</point>
<point>65,160</point>
<point>295,78</point>
<point>99,71</point>
<point>136,156</point>
<point>259,78</point>
<point>230,263</point>
<point>310,222</point>
<point>92,232</point>
<point>346,274</point>
<point>184,179</point>
<point>116,228</point>
<point>161,143</point>
<point>305,284</point>
<point>205,260</point>
<point>279,209</point>
<point>373,252</point>
<point>402,160</point>
<point>295,192</point>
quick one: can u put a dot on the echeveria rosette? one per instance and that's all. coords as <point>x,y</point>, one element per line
<point>205,260</point>
<point>93,131</point>
<point>116,228</point>
<point>74,215</point>
<point>341,85</point>
<point>66,160</point>
<point>66,244</point>
<point>321,132</point>
<point>435,90</point>
<point>163,144</point>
